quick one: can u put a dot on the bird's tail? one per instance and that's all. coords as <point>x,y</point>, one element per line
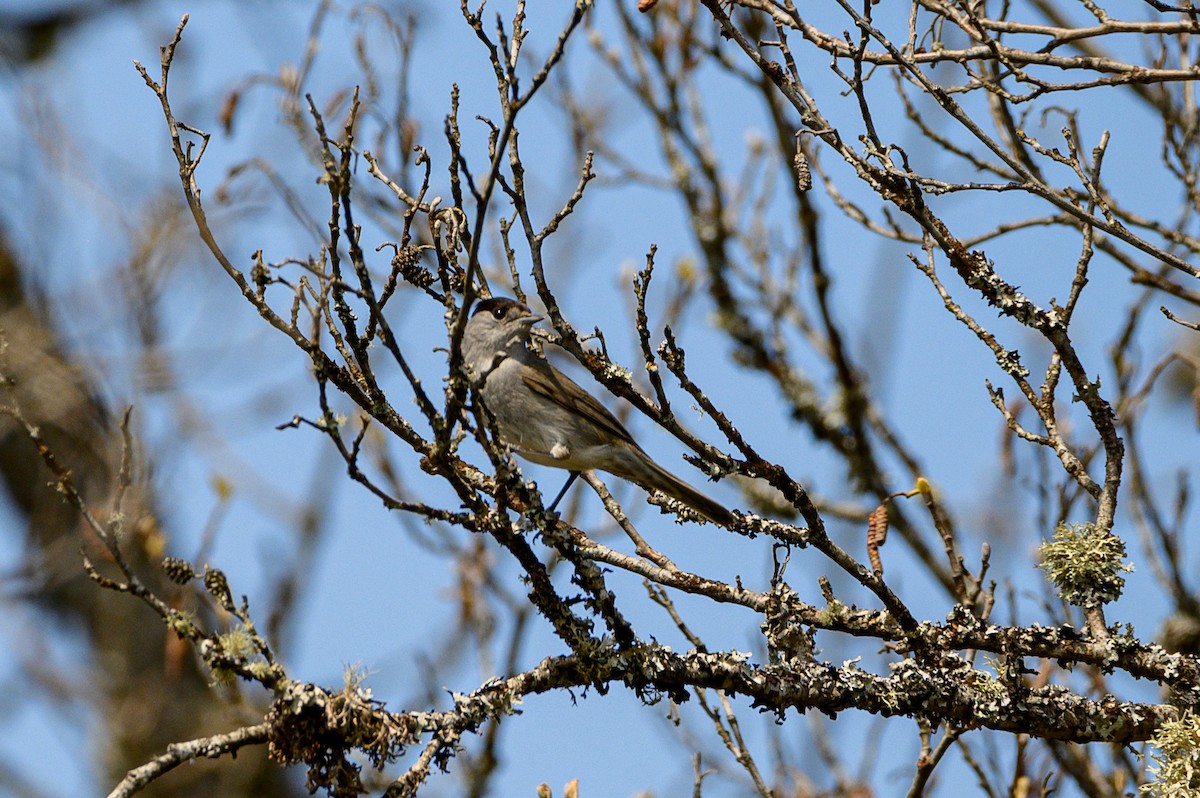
<point>641,469</point>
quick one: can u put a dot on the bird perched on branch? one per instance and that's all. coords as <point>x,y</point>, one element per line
<point>548,419</point>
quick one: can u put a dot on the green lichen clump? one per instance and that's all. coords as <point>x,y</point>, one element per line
<point>1085,564</point>
<point>1176,766</point>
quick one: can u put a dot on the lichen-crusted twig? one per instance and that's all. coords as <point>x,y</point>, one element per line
<point>181,753</point>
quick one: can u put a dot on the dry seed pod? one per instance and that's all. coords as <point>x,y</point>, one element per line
<point>800,162</point>
<point>877,529</point>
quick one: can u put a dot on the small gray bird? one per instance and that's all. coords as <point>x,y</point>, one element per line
<point>548,419</point>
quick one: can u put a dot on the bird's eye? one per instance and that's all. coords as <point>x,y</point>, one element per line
<point>500,312</point>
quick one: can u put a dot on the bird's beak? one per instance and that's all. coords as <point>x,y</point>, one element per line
<point>531,319</point>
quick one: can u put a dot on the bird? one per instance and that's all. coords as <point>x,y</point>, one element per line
<point>548,419</point>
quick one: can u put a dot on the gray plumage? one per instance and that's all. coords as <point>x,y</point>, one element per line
<point>548,419</point>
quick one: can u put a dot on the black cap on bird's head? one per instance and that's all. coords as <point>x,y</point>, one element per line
<point>501,308</point>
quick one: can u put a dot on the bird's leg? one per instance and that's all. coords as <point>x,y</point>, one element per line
<point>571,479</point>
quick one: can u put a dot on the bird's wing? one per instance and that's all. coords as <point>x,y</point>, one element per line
<point>563,391</point>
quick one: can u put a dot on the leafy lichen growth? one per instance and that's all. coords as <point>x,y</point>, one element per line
<point>1176,766</point>
<point>1085,564</point>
